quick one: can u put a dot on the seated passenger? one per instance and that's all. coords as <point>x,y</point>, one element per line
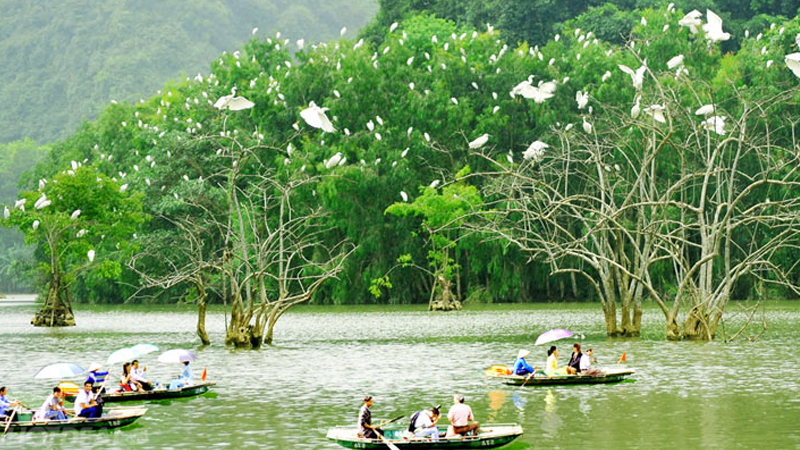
<point>461,418</point>
<point>574,365</point>
<point>424,423</point>
<point>126,382</point>
<point>53,407</point>
<point>86,404</point>
<point>521,367</point>
<point>137,375</point>
<point>551,367</point>
<point>185,379</point>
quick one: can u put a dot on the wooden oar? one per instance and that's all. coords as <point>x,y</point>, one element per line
<point>10,418</point>
<point>528,378</point>
<point>389,421</point>
<point>384,440</point>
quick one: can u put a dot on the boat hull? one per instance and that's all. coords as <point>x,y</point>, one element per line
<point>115,418</point>
<point>611,376</point>
<point>492,436</point>
<point>156,394</point>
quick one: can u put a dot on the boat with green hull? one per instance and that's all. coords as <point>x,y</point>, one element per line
<point>606,376</point>
<point>491,436</point>
<point>159,393</point>
<point>113,418</point>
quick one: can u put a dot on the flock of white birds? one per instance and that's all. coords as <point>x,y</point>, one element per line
<point>317,117</point>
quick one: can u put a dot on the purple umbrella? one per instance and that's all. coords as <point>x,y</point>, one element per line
<point>552,335</point>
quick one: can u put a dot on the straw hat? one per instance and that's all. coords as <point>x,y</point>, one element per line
<point>523,353</point>
<point>94,366</point>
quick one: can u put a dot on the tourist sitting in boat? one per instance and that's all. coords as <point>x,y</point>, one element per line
<point>521,367</point>
<point>461,419</point>
<point>137,375</point>
<point>53,407</point>
<point>575,360</point>
<point>185,378</point>
<point>6,406</point>
<point>365,428</point>
<point>423,423</point>
<point>551,367</point>
<point>86,404</point>
<point>126,382</point>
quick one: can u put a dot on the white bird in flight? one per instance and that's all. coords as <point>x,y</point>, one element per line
<point>793,63</point>
<point>582,98</point>
<point>479,142</point>
<point>538,94</point>
<point>692,20</point>
<point>715,124</point>
<point>657,112</point>
<point>637,77</point>
<point>233,103</point>
<point>315,116</point>
<point>713,28</point>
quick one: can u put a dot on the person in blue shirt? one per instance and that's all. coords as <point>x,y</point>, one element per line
<point>6,405</point>
<point>521,367</point>
<point>185,379</point>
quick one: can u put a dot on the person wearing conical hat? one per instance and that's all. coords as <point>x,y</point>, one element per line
<point>521,367</point>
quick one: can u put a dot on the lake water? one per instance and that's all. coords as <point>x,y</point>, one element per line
<point>685,394</point>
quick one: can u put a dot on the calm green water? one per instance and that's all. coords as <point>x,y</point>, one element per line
<point>686,395</point>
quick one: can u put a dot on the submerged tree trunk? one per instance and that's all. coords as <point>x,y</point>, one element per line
<point>202,305</point>
<point>57,309</point>
<point>445,300</point>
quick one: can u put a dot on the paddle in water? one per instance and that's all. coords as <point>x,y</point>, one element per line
<point>10,418</point>
<point>385,441</point>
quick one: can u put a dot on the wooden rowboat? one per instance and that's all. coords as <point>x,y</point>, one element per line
<point>608,376</point>
<point>113,418</point>
<point>159,393</point>
<point>491,436</point>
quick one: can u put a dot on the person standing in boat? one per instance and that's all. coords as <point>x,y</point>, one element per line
<point>521,367</point>
<point>85,403</point>
<point>365,428</point>
<point>461,418</point>
<point>551,367</point>
<point>53,407</point>
<point>6,405</point>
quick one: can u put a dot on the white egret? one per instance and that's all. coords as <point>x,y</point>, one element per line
<point>434,184</point>
<point>713,28</point>
<point>91,254</point>
<point>342,31</point>
<point>793,62</point>
<point>255,30</point>
<point>582,98</point>
<point>370,126</point>
<point>404,153</point>
<point>427,136</point>
<point>300,43</point>
<point>6,213</point>
<point>393,27</point>
<point>538,94</point>
<point>20,203</point>
<point>715,124</point>
<point>123,188</point>
<point>333,161</point>
<point>233,103</point>
<point>675,62</point>
<point>404,196</point>
<point>315,116</point>
<point>692,20</point>
<point>35,225</point>
<point>479,142</point>
<point>657,112</point>
<point>705,110</point>
<point>44,204</point>
<point>587,127</point>
<point>495,109</point>
<point>637,77</point>
<point>636,109</point>
<point>40,200</point>
<point>535,151</point>
<point>75,214</point>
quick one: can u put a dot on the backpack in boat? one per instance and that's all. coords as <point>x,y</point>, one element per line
<point>412,425</point>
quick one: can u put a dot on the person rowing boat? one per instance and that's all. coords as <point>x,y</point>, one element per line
<point>365,428</point>
<point>7,406</point>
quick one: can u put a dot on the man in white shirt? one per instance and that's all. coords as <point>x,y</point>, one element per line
<point>137,374</point>
<point>85,403</point>
<point>460,416</point>
<point>425,425</point>
<point>52,408</point>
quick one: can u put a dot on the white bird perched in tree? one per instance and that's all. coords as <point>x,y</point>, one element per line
<point>404,153</point>
<point>582,98</point>
<point>713,28</point>
<point>35,225</point>
<point>657,112</point>
<point>75,214</point>
<point>123,188</point>
<point>538,94</point>
<point>40,200</point>
<point>479,142</point>
<point>535,151</point>
<point>315,116</point>
<point>20,203</point>
<point>90,254</point>
<point>233,103</point>
<point>692,20</point>
<point>605,76</point>
<point>636,109</point>
<point>434,184</point>
<point>793,63</point>
<point>255,30</point>
<point>333,161</point>
<point>300,43</point>
<point>404,196</point>
<point>705,110</point>
<point>715,124</point>
<point>393,27</point>
<point>370,126</point>
<point>637,77</point>
<point>44,204</point>
<point>6,213</point>
<point>342,31</point>
<point>675,62</point>
<point>587,127</point>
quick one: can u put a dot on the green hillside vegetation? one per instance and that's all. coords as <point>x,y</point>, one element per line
<point>62,61</point>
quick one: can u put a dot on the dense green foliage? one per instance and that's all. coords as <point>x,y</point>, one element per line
<point>404,111</point>
<point>63,60</point>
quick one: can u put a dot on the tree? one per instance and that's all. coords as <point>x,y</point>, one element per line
<point>77,215</point>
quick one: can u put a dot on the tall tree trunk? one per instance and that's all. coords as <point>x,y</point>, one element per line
<point>202,305</point>
<point>56,310</point>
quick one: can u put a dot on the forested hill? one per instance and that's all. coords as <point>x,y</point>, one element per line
<point>62,60</point>
<point>534,21</point>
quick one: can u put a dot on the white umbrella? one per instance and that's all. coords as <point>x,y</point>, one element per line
<point>122,355</point>
<point>143,349</point>
<point>176,356</point>
<point>59,370</point>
